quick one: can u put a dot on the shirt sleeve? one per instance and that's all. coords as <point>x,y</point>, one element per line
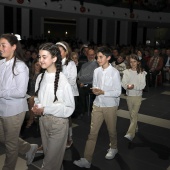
<point>72,75</point>
<point>125,79</point>
<point>21,83</point>
<point>1,93</point>
<point>142,82</point>
<point>62,109</point>
<point>94,79</point>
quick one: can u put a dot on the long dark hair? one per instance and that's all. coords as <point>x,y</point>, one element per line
<point>55,52</point>
<point>139,69</point>
<point>18,53</point>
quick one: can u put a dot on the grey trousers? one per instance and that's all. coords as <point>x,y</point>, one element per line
<point>54,133</point>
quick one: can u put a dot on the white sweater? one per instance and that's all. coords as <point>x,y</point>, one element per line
<point>65,105</point>
<point>138,80</point>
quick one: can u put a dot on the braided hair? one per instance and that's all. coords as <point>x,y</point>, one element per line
<point>67,50</point>
<point>18,53</point>
<point>55,52</point>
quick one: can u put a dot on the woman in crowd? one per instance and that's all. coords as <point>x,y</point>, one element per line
<point>75,58</point>
<point>119,64</point>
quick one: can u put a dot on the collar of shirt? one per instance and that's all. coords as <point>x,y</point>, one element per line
<point>9,62</point>
<point>107,68</point>
<point>63,61</point>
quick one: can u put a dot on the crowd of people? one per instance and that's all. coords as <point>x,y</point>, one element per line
<point>51,81</point>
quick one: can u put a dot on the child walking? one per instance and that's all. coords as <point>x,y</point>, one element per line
<point>133,82</point>
<point>70,71</point>
<point>14,76</point>
<point>107,88</point>
<point>54,103</point>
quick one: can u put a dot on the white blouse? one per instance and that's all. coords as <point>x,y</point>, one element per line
<point>70,71</point>
<point>64,106</point>
<point>13,88</point>
<point>109,81</point>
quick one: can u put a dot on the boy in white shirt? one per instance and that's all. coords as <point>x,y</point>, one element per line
<point>107,88</point>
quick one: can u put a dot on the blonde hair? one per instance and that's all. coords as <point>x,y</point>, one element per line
<point>74,53</point>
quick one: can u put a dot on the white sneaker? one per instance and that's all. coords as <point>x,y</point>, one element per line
<point>40,151</point>
<point>31,153</point>
<point>129,137</point>
<point>111,153</point>
<point>82,163</point>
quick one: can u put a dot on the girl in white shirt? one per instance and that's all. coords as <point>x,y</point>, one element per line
<point>70,71</point>
<point>55,103</point>
<point>14,76</point>
<point>133,82</point>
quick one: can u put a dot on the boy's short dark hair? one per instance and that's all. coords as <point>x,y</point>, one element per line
<point>105,51</point>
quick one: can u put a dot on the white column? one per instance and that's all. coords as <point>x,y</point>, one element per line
<point>81,31</point>
<point>123,32</point>
<point>25,22</point>
<point>2,19</point>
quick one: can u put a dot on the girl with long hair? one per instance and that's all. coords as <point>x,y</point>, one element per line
<point>54,104</point>
<point>14,76</point>
<point>133,82</point>
<point>70,71</point>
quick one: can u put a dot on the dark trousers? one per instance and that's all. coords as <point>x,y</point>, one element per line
<point>83,93</point>
<point>152,77</point>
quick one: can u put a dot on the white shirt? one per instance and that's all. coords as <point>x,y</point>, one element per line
<point>132,77</point>
<point>64,106</point>
<point>107,80</point>
<point>13,88</point>
<point>70,71</point>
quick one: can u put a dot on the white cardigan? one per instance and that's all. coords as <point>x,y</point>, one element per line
<point>132,77</point>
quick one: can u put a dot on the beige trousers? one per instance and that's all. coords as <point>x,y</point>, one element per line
<point>133,103</point>
<point>54,132</point>
<point>98,115</point>
<point>9,135</point>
